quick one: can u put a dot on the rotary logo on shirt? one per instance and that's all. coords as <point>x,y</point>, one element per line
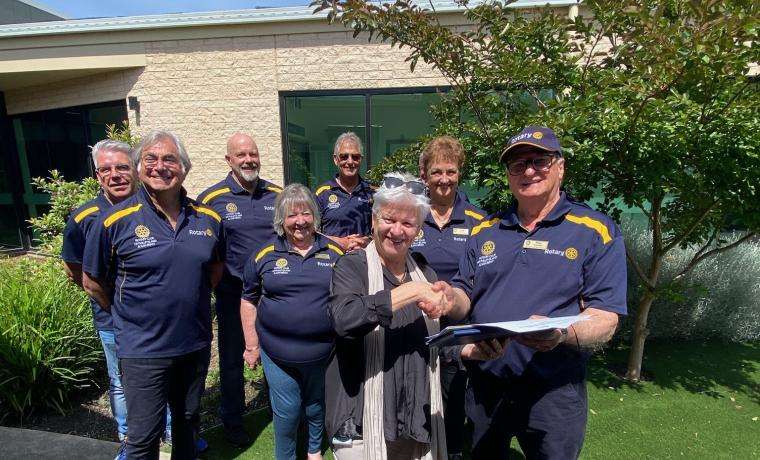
<point>332,201</point>
<point>487,255</point>
<point>143,240</point>
<point>207,232</point>
<point>232,212</point>
<point>323,256</point>
<point>419,240</point>
<point>281,267</point>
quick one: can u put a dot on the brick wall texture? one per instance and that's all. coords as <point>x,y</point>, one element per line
<point>206,89</point>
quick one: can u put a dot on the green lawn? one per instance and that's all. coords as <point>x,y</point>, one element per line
<point>701,401</point>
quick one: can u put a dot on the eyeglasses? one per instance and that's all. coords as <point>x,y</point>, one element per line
<point>542,163</point>
<point>354,156</point>
<point>168,160</point>
<point>415,186</point>
<point>121,168</point>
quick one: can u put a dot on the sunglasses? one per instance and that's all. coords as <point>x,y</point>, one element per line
<point>542,164</point>
<point>354,156</point>
<point>416,187</point>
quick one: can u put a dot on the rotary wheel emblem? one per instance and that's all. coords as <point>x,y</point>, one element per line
<point>571,253</point>
<point>231,207</point>
<point>281,263</point>
<point>487,248</point>
<point>141,231</point>
<point>538,135</point>
<point>333,198</point>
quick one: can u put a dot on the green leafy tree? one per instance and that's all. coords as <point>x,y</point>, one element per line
<point>654,101</point>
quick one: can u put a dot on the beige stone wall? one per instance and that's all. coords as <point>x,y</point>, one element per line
<point>206,89</point>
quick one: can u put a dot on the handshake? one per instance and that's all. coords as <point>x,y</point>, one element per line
<point>437,299</point>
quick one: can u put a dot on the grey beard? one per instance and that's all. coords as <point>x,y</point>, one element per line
<point>249,176</point>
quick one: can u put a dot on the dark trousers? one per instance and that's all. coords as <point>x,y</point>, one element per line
<point>453,386</point>
<point>549,421</point>
<point>231,344</point>
<point>151,383</point>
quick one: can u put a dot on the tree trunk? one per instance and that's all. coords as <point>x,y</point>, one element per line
<point>640,333</point>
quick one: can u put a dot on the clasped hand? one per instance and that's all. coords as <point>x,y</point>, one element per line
<point>437,299</point>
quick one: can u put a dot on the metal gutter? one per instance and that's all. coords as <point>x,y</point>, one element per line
<point>216,18</point>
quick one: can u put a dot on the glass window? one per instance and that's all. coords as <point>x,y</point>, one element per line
<point>312,125</point>
<point>399,120</point>
<point>9,230</point>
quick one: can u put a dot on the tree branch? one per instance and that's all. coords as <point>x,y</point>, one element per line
<point>691,227</point>
<point>637,268</point>
<point>697,259</point>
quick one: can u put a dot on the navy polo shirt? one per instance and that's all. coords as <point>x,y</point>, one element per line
<point>162,290</point>
<point>345,213</point>
<point>509,274</point>
<point>78,226</point>
<point>247,219</point>
<point>444,247</point>
<point>291,292</point>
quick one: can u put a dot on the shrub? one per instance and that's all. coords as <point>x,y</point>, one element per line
<point>719,299</point>
<point>48,346</point>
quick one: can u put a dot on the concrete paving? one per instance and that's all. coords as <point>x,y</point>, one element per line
<point>22,444</point>
<point>18,443</point>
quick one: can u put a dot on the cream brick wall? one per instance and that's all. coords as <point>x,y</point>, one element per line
<point>206,89</point>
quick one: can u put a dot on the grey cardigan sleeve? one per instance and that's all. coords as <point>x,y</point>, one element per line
<point>355,313</point>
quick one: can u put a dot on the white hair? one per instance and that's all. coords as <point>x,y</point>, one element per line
<point>290,197</point>
<point>400,195</point>
<point>108,145</point>
<point>152,138</point>
<point>349,136</point>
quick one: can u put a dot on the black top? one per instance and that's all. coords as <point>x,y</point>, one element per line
<point>406,385</point>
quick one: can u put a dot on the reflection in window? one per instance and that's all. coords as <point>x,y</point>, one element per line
<point>312,123</point>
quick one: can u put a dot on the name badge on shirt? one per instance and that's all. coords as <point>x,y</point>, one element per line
<point>461,231</point>
<point>535,244</point>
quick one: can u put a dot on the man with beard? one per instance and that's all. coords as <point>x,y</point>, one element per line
<point>345,202</point>
<point>116,176</point>
<point>246,204</point>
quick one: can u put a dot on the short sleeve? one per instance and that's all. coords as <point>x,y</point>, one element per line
<point>605,276</point>
<point>73,242</point>
<point>251,282</point>
<point>465,277</point>
<point>98,251</point>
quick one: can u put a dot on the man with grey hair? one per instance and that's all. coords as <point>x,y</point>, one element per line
<point>345,202</point>
<point>152,260</point>
<point>115,174</point>
<point>246,203</point>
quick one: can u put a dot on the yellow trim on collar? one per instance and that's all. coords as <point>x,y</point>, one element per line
<point>482,225</point>
<point>322,189</point>
<point>264,252</point>
<point>215,194</point>
<point>110,220</point>
<point>473,214</point>
<point>78,218</point>
<point>208,212</point>
<point>335,248</point>
<point>274,188</point>
<point>593,224</point>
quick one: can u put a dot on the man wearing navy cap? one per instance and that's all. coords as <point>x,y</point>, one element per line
<point>153,260</point>
<point>345,202</point>
<point>546,255</point>
<point>246,203</point>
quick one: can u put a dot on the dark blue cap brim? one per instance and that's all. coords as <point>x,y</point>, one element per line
<point>516,144</point>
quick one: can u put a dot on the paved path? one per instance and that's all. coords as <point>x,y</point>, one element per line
<point>21,444</point>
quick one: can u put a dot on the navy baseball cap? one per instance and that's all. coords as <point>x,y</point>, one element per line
<point>539,137</point>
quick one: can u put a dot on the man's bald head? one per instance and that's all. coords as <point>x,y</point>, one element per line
<point>243,158</point>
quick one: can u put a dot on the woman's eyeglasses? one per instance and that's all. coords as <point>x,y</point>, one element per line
<point>415,186</point>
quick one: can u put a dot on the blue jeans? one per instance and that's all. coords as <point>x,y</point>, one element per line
<point>294,389</point>
<point>115,390</point>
